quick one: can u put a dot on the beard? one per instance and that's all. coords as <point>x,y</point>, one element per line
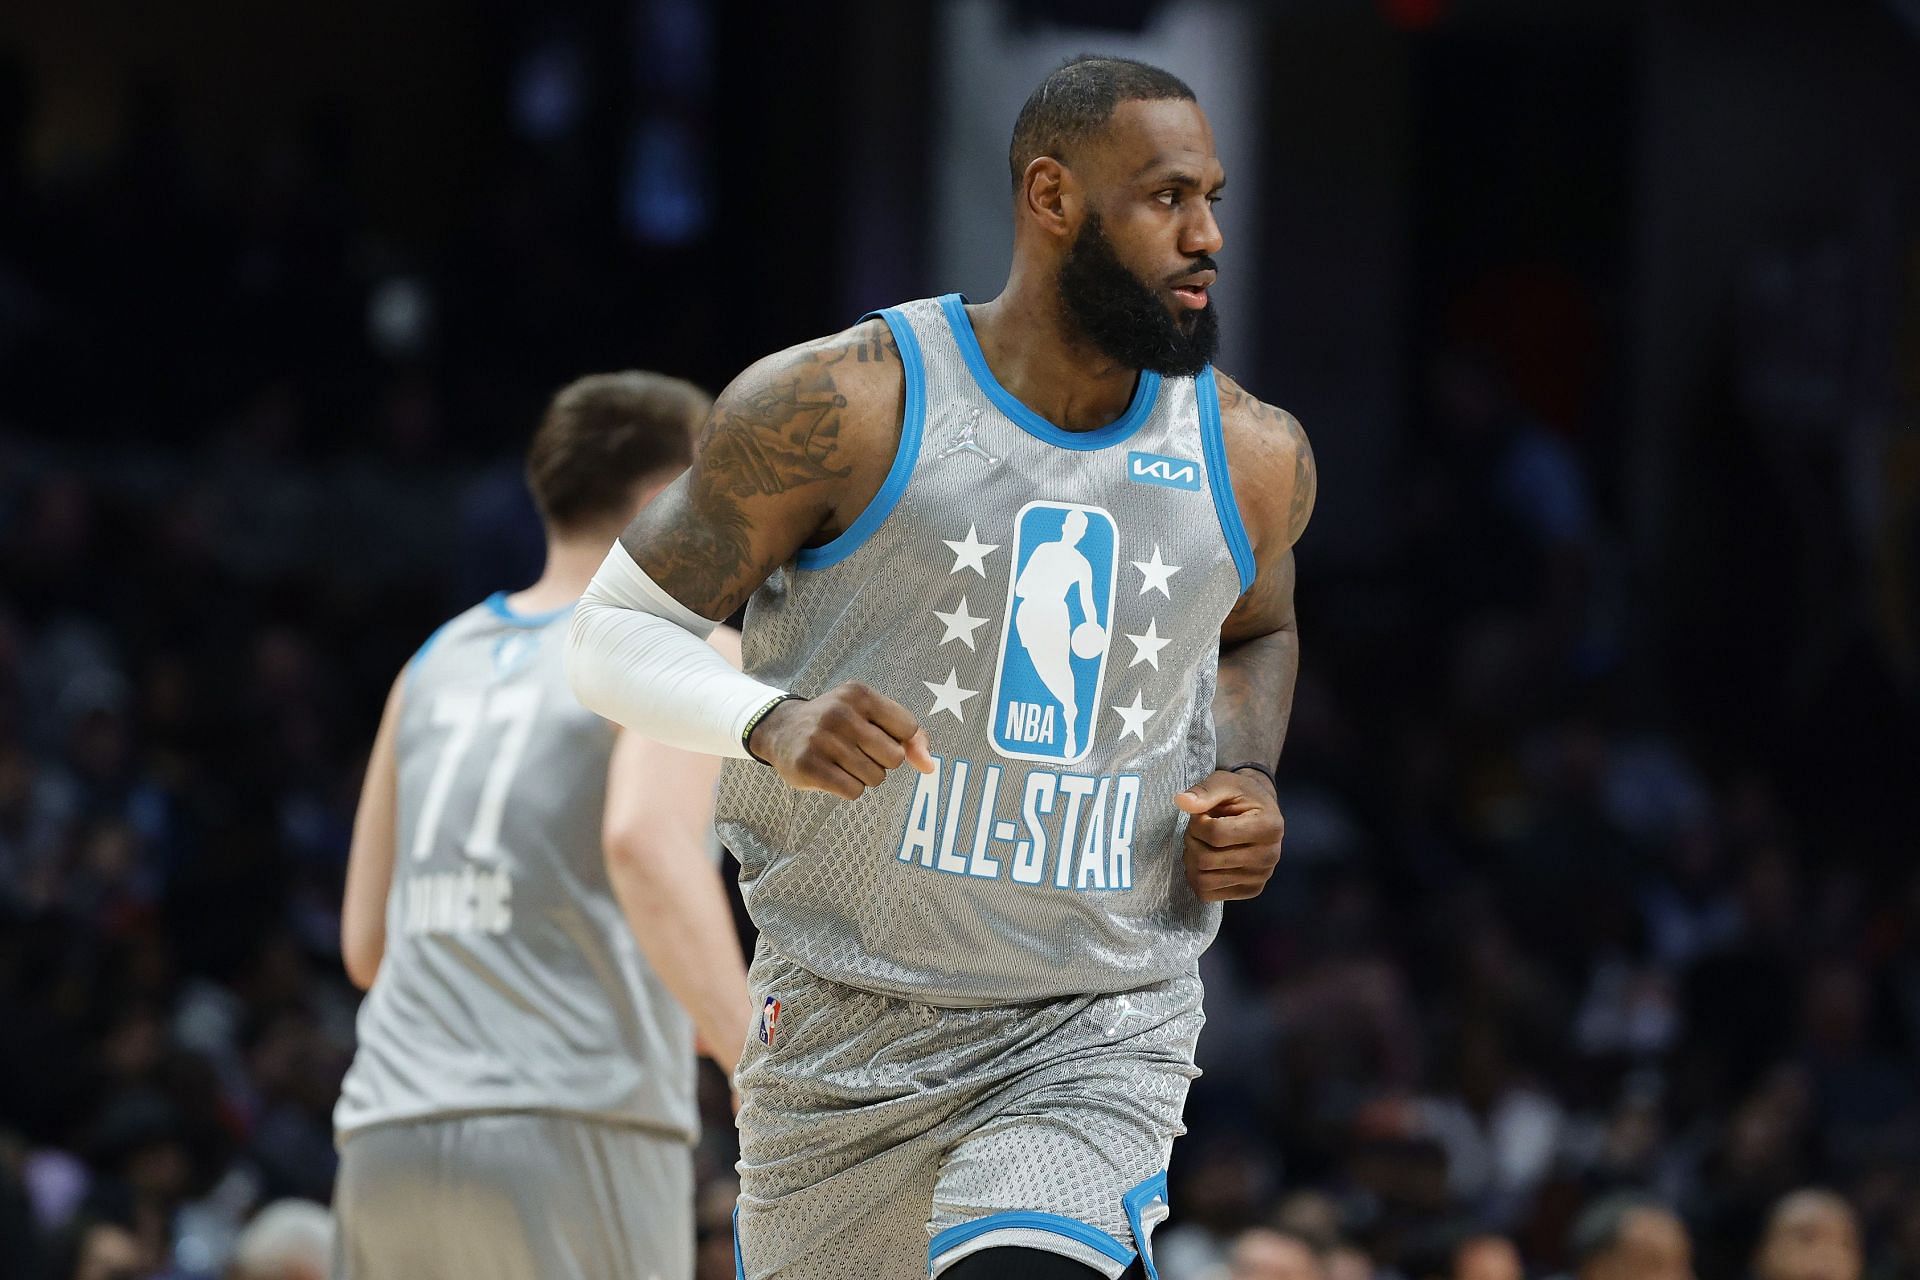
<point>1124,317</point>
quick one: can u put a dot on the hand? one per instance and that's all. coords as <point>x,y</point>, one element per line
<point>1233,838</point>
<point>841,742</point>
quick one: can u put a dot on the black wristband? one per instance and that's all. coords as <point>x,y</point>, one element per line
<point>753,722</point>
<point>1255,764</point>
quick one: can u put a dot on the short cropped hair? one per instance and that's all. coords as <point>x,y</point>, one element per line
<point>602,435</point>
<point>1074,104</point>
<point>1601,1224</point>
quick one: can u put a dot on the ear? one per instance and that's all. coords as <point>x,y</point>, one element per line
<point>1050,195</point>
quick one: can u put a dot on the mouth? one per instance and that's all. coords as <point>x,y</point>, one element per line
<point>1191,290</point>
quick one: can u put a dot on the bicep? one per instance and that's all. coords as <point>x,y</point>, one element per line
<point>371,854</point>
<point>1277,483</point>
<point>769,470</point>
<point>1267,606</point>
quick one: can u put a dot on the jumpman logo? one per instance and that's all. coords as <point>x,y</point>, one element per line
<point>966,439</point>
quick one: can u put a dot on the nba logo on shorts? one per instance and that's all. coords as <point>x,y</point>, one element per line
<point>769,1020</point>
<point>1053,652</point>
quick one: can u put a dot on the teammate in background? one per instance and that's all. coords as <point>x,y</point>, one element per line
<point>977,975</point>
<point>521,1106</point>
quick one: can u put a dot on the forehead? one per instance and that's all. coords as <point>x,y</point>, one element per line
<point>1815,1220</point>
<point>1164,134</point>
<point>1655,1232</point>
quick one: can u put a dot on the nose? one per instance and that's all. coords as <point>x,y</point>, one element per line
<point>1201,234</point>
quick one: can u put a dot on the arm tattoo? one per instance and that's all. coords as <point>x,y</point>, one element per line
<point>768,436</point>
<point>1306,477</point>
<point>779,437</point>
<point>1259,662</point>
<point>1260,643</point>
<point>1306,481</point>
<point>1253,702</point>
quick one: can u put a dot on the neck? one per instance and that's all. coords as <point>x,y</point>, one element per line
<point>1036,354</point>
<point>571,562</point>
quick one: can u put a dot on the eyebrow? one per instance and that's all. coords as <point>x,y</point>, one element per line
<point>1178,178</point>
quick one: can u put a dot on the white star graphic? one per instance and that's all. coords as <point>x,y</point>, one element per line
<point>949,696</point>
<point>1136,717</point>
<point>960,624</point>
<point>1156,572</point>
<point>1147,647</point>
<point>971,553</point>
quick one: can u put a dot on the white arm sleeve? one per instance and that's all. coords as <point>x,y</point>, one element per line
<point>640,658</point>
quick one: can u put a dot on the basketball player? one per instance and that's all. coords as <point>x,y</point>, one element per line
<point>984,868</point>
<point>522,1102</point>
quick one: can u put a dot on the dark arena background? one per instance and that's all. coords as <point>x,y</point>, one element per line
<point>1604,779</point>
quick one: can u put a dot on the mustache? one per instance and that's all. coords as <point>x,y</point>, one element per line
<point>1204,262</point>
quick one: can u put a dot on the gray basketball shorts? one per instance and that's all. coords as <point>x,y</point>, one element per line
<point>882,1139</point>
<point>513,1196</point>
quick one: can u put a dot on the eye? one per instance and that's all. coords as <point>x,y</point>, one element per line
<point>1215,198</point>
<point>1168,197</point>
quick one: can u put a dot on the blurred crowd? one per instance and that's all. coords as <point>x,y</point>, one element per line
<point>1554,978</point>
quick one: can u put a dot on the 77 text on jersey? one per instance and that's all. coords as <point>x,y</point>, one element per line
<point>1071,830</point>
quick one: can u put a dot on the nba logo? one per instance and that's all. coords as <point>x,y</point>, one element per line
<point>1059,622</point>
<point>769,1020</point>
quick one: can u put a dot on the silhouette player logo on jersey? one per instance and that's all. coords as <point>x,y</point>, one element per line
<point>966,439</point>
<point>1053,647</point>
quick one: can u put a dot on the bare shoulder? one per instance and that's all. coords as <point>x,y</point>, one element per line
<point>792,446</point>
<point>1268,447</point>
<point>815,393</point>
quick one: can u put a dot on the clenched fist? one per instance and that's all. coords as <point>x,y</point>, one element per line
<point>1233,837</point>
<point>841,742</point>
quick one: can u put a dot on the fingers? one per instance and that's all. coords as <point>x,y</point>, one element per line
<point>1215,789</point>
<point>825,774</point>
<point>1262,826</point>
<point>876,744</point>
<point>896,720</point>
<point>1224,888</point>
<point>920,752</point>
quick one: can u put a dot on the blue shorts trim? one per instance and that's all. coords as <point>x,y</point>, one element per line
<point>1026,1220</point>
<point>739,1262</point>
<point>1148,1194</point>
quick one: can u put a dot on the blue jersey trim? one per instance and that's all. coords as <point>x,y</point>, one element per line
<point>1027,1220</point>
<point>1144,394</point>
<point>1213,446</point>
<point>1135,1202</point>
<point>497,602</point>
<point>912,420</point>
<point>739,1262</point>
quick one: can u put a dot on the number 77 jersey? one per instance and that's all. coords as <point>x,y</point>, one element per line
<point>510,979</point>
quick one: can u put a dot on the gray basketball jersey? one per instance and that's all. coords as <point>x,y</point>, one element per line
<point>1049,604</point>
<point>511,980</point>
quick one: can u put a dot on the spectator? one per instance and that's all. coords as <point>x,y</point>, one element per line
<point>96,1248</point>
<point>288,1240</point>
<point>1629,1237</point>
<point>1487,1258</point>
<point>1811,1235</point>
<point>1261,1253</point>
